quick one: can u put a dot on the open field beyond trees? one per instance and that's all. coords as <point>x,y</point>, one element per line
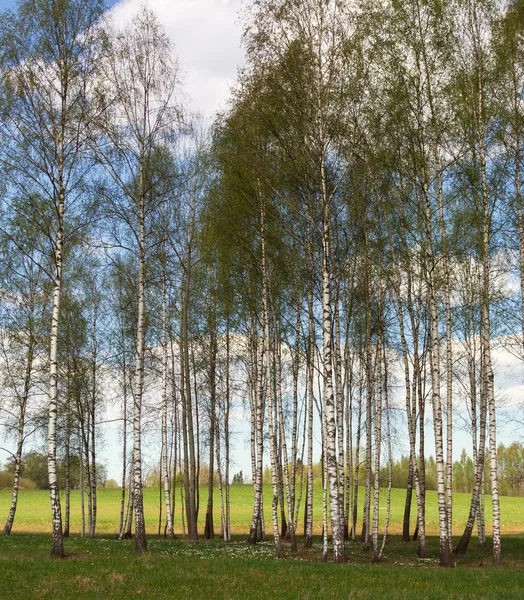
<point>34,514</point>
<point>107,568</point>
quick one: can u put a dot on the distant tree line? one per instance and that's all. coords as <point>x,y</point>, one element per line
<point>510,461</point>
<point>33,469</point>
<point>510,464</point>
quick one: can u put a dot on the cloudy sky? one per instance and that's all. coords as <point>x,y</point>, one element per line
<point>206,38</point>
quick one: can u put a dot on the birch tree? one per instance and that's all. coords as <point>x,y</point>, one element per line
<point>138,83</point>
<point>27,298</point>
<point>47,62</point>
<point>475,68</point>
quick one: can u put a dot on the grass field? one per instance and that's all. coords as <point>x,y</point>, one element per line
<point>106,568</point>
<point>34,513</point>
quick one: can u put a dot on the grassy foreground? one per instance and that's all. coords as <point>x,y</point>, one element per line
<point>106,568</point>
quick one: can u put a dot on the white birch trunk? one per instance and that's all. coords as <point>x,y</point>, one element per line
<point>308,533</point>
<point>81,486</point>
<point>124,446</point>
<point>279,549</point>
<point>337,528</point>
<point>325,477</point>
<point>20,441</point>
<point>445,554</point>
<point>257,483</point>
<point>227,530</point>
<point>488,369</point>
<point>390,455</point>
<point>140,527</point>
<point>165,458</point>
<point>369,403</point>
<point>57,549</point>
<point>378,441</point>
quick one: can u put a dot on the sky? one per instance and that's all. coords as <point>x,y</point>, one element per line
<point>206,38</point>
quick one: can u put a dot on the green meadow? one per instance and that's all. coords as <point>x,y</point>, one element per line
<point>106,568</point>
<point>34,512</point>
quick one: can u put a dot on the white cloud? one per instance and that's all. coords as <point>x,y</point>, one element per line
<point>206,39</point>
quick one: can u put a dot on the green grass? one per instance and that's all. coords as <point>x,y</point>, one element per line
<point>34,513</point>
<point>106,568</point>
